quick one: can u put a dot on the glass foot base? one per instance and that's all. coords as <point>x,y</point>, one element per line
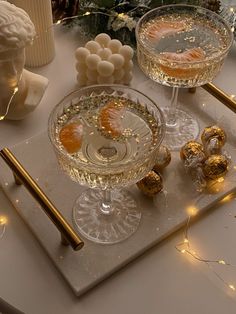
<point>185,129</point>
<point>111,228</point>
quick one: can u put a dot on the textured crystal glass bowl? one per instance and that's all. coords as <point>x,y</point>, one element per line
<point>181,46</point>
<point>122,130</point>
<point>204,28</point>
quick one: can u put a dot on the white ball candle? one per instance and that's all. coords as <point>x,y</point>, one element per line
<point>104,53</point>
<point>114,45</point>
<point>103,39</point>
<point>81,79</point>
<point>128,66</point>
<point>127,77</point>
<point>91,75</point>
<point>81,67</point>
<point>117,60</point>
<point>106,79</point>
<point>104,61</point>
<point>105,68</point>
<point>91,82</point>
<point>127,52</point>
<point>81,54</point>
<point>92,61</point>
<point>92,46</point>
<point>118,75</point>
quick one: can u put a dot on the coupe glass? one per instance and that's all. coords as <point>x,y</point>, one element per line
<point>181,46</point>
<point>116,132</point>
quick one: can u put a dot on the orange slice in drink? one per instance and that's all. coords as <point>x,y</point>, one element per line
<point>71,136</point>
<point>190,55</point>
<point>110,118</point>
<point>164,28</point>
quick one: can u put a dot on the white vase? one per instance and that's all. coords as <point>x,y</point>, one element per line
<point>43,49</point>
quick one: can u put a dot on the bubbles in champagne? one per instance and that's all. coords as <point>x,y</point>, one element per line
<point>117,132</point>
<point>182,49</point>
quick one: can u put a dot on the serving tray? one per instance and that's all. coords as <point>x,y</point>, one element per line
<point>161,216</point>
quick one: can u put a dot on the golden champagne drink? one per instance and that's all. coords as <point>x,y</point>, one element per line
<point>181,46</point>
<point>106,138</point>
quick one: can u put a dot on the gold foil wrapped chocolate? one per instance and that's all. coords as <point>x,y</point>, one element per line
<point>151,184</point>
<point>191,149</point>
<point>213,138</point>
<point>205,162</point>
<point>213,131</point>
<point>163,158</point>
<point>192,154</point>
<point>215,166</point>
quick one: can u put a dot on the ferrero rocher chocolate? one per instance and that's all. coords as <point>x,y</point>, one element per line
<point>191,149</point>
<point>151,184</point>
<point>213,131</point>
<point>163,158</point>
<point>192,155</point>
<point>215,166</point>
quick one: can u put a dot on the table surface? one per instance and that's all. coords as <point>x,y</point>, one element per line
<point>160,281</point>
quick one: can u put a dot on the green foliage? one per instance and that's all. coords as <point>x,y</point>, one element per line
<point>156,3</point>
<point>109,18</point>
<point>105,3</point>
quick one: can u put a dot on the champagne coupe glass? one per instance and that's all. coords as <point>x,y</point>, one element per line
<point>106,137</point>
<point>181,46</point>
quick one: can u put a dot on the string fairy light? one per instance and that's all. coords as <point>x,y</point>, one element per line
<point>15,91</point>
<point>113,14</point>
<point>87,13</point>
<point>2,117</point>
<point>60,21</point>
<point>185,246</point>
<point>64,19</point>
<point>3,222</point>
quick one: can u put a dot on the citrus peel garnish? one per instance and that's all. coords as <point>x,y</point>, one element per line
<point>194,54</point>
<point>71,136</point>
<point>110,118</point>
<point>163,28</point>
<point>190,55</point>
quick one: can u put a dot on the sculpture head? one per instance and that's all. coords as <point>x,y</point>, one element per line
<point>16,32</point>
<point>16,27</point>
<point>20,90</point>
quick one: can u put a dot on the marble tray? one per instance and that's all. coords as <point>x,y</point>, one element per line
<point>84,269</point>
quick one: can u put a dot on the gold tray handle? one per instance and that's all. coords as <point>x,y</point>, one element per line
<point>221,96</point>
<point>68,235</point>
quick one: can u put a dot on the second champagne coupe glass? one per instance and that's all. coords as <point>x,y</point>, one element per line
<point>106,137</point>
<point>181,46</point>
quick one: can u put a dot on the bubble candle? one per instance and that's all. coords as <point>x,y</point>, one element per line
<point>104,60</point>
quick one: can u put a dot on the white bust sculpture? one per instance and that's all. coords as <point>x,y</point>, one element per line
<point>16,32</point>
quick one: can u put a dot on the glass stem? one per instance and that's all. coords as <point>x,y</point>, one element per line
<point>171,116</point>
<point>106,205</point>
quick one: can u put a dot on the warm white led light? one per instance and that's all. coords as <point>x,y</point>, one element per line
<point>232,287</point>
<point>3,220</point>
<point>192,210</point>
